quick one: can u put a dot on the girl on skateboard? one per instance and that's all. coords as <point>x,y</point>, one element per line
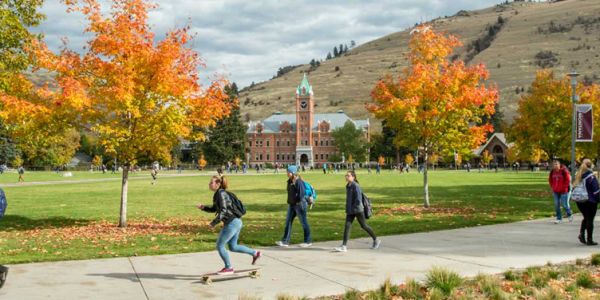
<point>232,225</point>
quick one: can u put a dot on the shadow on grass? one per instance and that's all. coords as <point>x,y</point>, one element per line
<point>21,223</point>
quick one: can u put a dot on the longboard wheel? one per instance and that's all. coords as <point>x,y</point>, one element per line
<point>206,280</point>
<point>254,274</point>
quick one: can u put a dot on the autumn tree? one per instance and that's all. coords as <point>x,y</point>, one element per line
<point>381,160</point>
<point>436,103</point>
<point>201,162</point>
<point>544,117</point>
<point>409,159</point>
<point>138,94</point>
<point>486,158</point>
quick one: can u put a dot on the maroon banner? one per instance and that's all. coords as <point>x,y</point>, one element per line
<point>584,123</point>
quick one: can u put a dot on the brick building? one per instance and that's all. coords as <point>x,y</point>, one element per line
<point>303,138</point>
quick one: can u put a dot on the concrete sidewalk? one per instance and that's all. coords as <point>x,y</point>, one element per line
<point>315,271</point>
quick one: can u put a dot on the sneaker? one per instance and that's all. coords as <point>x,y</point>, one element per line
<point>305,245</point>
<point>591,243</point>
<point>341,248</point>
<point>557,221</point>
<point>571,219</point>
<point>582,239</point>
<point>226,271</point>
<point>376,244</point>
<point>281,244</point>
<point>255,257</point>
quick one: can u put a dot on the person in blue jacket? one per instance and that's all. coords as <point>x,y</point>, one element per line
<point>297,206</point>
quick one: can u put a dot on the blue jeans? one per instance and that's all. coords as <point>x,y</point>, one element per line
<point>300,211</point>
<point>561,199</point>
<point>229,235</point>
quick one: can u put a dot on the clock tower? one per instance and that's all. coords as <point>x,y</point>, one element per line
<point>304,123</point>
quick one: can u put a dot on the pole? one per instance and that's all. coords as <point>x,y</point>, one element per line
<point>573,76</point>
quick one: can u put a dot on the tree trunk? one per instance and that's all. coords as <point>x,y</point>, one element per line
<point>123,213</point>
<point>425,181</point>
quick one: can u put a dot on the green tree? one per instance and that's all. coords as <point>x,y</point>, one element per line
<point>226,140</point>
<point>351,141</point>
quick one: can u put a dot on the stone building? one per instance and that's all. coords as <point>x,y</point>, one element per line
<point>303,138</point>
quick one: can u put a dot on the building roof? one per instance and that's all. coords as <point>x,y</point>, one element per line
<point>335,120</point>
<point>498,135</point>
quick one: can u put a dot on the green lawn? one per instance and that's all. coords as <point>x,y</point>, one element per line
<point>77,221</point>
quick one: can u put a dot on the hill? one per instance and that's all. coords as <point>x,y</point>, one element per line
<point>514,40</point>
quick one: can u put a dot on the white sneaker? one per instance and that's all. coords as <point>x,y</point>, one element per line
<point>376,244</point>
<point>557,221</point>
<point>305,245</point>
<point>281,244</point>
<point>571,219</point>
<point>341,248</point>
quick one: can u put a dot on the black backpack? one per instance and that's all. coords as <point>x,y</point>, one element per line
<point>237,207</point>
<point>3,203</point>
<point>367,205</point>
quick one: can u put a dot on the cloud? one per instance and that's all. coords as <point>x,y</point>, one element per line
<point>249,40</point>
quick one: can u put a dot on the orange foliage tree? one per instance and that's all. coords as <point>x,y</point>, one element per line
<point>436,105</point>
<point>544,118</point>
<point>137,93</point>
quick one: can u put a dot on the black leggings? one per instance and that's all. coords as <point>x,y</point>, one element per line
<point>588,210</point>
<point>363,224</point>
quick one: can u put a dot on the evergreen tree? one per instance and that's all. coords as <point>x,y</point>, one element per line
<point>328,55</point>
<point>345,48</point>
<point>341,50</point>
<point>335,52</point>
<point>226,140</point>
<point>352,44</point>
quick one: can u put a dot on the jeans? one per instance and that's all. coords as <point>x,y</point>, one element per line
<point>588,210</point>
<point>561,199</point>
<point>229,235</point>
<point>363,224</point>
<point>293,211</point>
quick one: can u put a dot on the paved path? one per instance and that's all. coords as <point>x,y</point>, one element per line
<point>303,272</point>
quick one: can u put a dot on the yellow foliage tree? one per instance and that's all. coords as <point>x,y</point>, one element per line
<point>202,162</point>
<point>486,158</point>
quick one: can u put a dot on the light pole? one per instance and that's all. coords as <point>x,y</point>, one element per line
<point>573,76</point>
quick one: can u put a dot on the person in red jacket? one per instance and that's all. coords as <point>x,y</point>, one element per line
<point>560,180</point>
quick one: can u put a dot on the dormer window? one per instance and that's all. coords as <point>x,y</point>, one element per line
<point>259,128</point>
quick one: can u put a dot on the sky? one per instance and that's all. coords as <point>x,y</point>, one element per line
<point>248,41</point>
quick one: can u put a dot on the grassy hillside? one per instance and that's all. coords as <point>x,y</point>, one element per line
<point>560,35</point>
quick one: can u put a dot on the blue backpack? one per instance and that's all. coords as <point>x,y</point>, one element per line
<point>3,203</point>
<point>309,191</point>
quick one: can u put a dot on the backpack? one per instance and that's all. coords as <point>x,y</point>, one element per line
<point>309,191</point>
<point>367,205</point>
<point>579,193</point>
<point>3,203</point>
<point>237,207</point>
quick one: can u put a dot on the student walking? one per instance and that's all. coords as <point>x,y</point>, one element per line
<point>588,208</point>
<point>232,224</point>
<point>21,172</point>
<point>559,180</point>
<point>154,174</point>
<point>297,206</point>
<point>355,210</point>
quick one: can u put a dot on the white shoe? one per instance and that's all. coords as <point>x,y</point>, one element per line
<point>341,248</point>
<point>305,245</point>
<point>571,219</point>
<point>281,244</point>
<point>557,221</point>
<point>376,244</point>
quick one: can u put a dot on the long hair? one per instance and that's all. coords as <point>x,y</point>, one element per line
<point>222,181</point>
<point>586,165</point>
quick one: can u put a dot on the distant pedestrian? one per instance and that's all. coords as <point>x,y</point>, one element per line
<point>588,208</point>
<point>21,172</point>
<point>378,169</point>
<point>232,224</point>
<point>355,210</point>
<point>324,168</point>
<point>297,206</point>
<point>257,167</point>
<point>3,205</point>
<point>560,180</point>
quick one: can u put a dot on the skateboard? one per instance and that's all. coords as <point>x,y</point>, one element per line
<point>213,277</point>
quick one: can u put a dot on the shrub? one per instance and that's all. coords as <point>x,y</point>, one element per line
<point>510,275</point>
<point>553,274</point>
<point>411,290</point>
<point>550,293</point>
<point>579,262</point>
<point>584,279</point>
<point>595,259</point>
<point>352,295</point>
<point>490,287</point>
<point>436,294</point>
<point>444,280</point>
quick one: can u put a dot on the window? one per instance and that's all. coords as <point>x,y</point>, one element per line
<point>327,156</point>
<point>321,142</point>
<point>260,157</point>
<point>294,156</point>
<point>256,158</point>
<point>268,157</point>
<point>321,156</point>
<point>277,156</point>
<point>316,143</point>
<point>250,143</point>
<point>306,143</point>
<point>288,143</point>
<point>277,143</point>
<point>327,143</point>
<point>288,157</point>
<point>267,145</point>
<point>316,156</point>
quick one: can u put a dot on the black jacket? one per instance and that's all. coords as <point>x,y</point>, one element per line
<point>592,187</point>
<point>354,203</point>
<point>222,207</point>
<point>295,191</point>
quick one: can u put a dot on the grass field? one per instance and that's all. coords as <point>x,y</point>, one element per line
<point>78,221</point>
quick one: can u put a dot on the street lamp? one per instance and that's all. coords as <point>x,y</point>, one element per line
<point>574,99</point>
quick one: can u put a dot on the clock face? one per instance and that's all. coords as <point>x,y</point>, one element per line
<point>303,104</point>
